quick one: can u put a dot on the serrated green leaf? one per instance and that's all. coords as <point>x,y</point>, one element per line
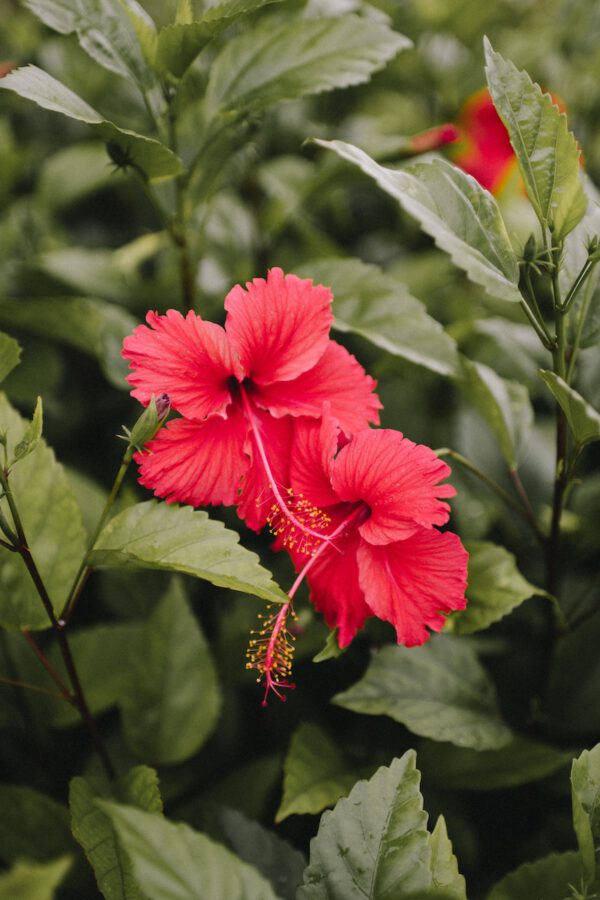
<point>93,326</point>
<point>180,43</point>
<point>461,216</point>
<point>495,587</point>
<point>585,795</point>
<point>171,861</point>
<point>445,876</point>
<point>10,353</point>
<point>374,844</point>
<point>101,654</point>
<point>583,419</point>
<point>462,769</point>
<point>171,701</point>
<point>331,650</point>
<point>154,159</point>
<point>270,62</point>
<point>550,878</point>
<point>575,254</point>
<point>438,690</point>
<point>546,151</point>
<point>32,826</point>
<point>104,30</point>
<point>93,829</point>
<point>504,405</point>
<point>33,881</point>
<point>379,308</point>
<point>159,536</point>
<point>52,525</point>
<point>32,435</point>
<point>274,858</point>
<point>315,775</point>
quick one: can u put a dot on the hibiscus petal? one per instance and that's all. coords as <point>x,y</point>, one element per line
<point>257,497</point>
<point>279,327</point>
<point>314,447</point>
<point>412,583</point>
<point>397,479</point>
<point>197,462</point>
<point>338,378</point>
<point>334,586</point>
<point>187,358</point>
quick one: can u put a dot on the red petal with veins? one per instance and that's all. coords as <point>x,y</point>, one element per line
<point>278,327</point>
<point>257,496</point>
<point>315,445</point>
<point>415,582</point>
<point>397,479</point>
<point>338,378</point>
<point>187,358</point>
<point>197,462</point>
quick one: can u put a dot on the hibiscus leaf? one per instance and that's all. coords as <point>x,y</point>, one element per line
<point>461,216</point>
<point>550,878</point>
<point>170,701</point>
<point>104,30</point>
<point>34,881</point>
<point>495,587</point>
<point>52,525</point>
<point>32,825</point>
<point>447,880</point>
<point>379,308</point>
<point>154,159</point>
<point>462,769</point>
<point>32,434</point>
<point>504,405</point>
<point>438,690</point>
<point>179,539</point>
<point>181,42</point>
<point>170,861</point>
<point>315,774</point>
<point>274,858</point>
<point>90,325</point>
<point>273,62</point>
<point>583,419</point>
<point>10,353</point>
<point>374,843</point>
<point>585,795</point>
<point>94,831</point>
<point>547,152</point>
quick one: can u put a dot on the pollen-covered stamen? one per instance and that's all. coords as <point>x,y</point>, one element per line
<point>303,534</point>
<point>271,651</point>
<point>283,505</point>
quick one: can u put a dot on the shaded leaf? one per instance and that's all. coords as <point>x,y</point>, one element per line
<point>159,536</point>
<point>32,435</point>
<point>495,587</point>
<point>170,702</point>
<point>32,826</point>
<point>585,794</point>
<point>438,690</point>
<point>170,861</point>
<point>33,881</point>
<point>504,405</point>
<point>10,353</point>
<point>379,308</point>
<point>550,878</point>
<point>154,159</point>
<point>92,828</point>
<point>93,326</point>
<point>180,43</point>
<point>460,768</point>
<point>52,525</point>
<point>281,62</point>
<point>583,419</point>
<point>461,216</point>
<point>274,858</point>
<point>315,775</point>
<point>546,151</point>
<point>331,650</point>
<point>374,844</point>
<point>574,682</point>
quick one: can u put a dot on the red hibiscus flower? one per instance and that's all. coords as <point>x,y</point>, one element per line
<point>237,388</point>
<point>383,555</point>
